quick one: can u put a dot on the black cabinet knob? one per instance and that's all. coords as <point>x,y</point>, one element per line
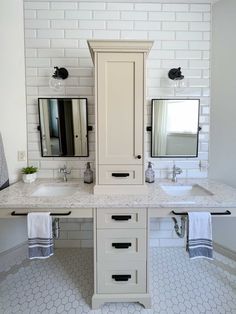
<point>139,156</point>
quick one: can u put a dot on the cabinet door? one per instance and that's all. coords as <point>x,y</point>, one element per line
<point>120,99</point>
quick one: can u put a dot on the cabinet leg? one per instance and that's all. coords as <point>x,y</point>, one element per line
<point>96,302</point>
<point>146,302</point>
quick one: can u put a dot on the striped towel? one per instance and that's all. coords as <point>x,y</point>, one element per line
<point>199,241</point>
<point>40,239</point>
<point>4,180</point>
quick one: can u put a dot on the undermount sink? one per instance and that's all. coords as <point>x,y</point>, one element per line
<point>185,190</point>
<point>53,190</point>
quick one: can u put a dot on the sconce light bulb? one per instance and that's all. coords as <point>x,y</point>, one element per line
<point>182,83</point>
<point>56,83</point>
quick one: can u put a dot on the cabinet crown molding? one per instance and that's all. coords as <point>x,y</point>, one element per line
<point>119,45</point>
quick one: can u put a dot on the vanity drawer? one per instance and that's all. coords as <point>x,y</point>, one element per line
<point>125,174</point>
<point>121,218</point>
<point>117,245</point>
<point>128,277</point>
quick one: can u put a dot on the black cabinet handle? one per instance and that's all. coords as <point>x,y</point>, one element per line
<point>121,277</point>
<point>121,245</point>
<point>139,156</point>
<point>121,217</point>
<point>120,174</point>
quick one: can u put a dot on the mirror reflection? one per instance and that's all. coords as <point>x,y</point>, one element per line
<point>175,126</point>
<point>63,127</point>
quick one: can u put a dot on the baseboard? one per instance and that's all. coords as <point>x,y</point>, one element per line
<point>224,251</point>
<point>13,256</point>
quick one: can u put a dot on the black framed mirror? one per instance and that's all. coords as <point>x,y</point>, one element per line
<point>63,127</point>
<point>175,128</point>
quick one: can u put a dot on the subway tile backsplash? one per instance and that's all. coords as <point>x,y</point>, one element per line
<point>55,35</point>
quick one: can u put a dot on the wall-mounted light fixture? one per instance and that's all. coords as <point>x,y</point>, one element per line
<point>57,80</point>
<point>175,74</point>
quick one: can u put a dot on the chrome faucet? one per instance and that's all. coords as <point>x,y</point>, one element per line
<point>65,172</point>
<point>175,171</point>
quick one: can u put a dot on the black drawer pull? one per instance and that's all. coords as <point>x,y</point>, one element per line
<point>120,174</point>
<point>121,217</point>
<point>121,245</point>
<point>121,277</point>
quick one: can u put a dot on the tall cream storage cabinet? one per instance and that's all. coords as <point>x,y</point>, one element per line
<point>120,235</point>
<point>120,97</point>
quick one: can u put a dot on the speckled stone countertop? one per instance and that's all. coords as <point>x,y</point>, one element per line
<point>19,195</point>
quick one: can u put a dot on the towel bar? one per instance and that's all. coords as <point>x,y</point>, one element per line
<point>227,212</point>
<point>52,214</point>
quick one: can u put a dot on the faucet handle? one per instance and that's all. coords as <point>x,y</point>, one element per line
<point>64,170</point>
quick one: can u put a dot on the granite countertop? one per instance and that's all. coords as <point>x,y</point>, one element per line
<point>19,195</point>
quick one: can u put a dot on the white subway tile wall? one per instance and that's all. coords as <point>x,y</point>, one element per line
<point>56,34</point>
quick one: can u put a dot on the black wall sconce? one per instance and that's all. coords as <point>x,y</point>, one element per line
<point>175,74</point>
<point>57,80</point>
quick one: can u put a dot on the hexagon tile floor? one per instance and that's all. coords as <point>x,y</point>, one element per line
<point>64,284</point>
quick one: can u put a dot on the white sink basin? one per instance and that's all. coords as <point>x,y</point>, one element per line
<point>185,190</point>
<point>53,190</point>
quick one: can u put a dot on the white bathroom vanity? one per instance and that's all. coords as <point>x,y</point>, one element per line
<point>121,224</point>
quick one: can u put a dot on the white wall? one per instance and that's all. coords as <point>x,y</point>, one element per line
<point>223,110</point>
<point>12,106</point>
<point>12,84</point>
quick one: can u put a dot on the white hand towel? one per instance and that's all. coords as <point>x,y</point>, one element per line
<point>199,242</point>
<point>40,237</point>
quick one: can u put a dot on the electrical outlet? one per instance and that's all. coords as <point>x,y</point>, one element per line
<point>21,155</point>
